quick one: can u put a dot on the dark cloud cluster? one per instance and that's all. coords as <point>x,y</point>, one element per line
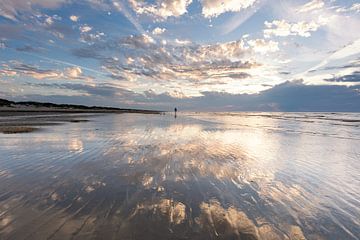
<point>95,90</point>
<point>289,96</point>
<point>350,78</point>
<point>27,48</point>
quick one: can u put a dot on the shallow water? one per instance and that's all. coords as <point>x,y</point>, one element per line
<point>199,176</point>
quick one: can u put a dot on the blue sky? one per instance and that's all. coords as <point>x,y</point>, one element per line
<point>218,55</point>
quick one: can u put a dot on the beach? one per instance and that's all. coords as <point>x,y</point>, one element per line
<point>254,175</point>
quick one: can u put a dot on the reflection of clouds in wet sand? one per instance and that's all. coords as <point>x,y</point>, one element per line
<point>76,145</point>
<point>150,178</point>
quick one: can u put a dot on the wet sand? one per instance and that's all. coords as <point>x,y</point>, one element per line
<point>199,176</point>
<point>26,122</point>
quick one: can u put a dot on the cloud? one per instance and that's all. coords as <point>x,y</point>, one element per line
<point>11,8</point>
<point>49,20</point>
<point>262,46</point>
<point>355,8</point>
<point>21,69</point>
<point>35,72</point>
<point>74,18</point>
<point>282,28</point>
<point>162,9</point>
<point>147,61</point>
<point>92,90</point>
<point>214,8</point>
<point>158,31</point>
<point>182,42</point>
<point>59,30</point>
<point>344,52</point>
<point>288,96</point>
<point>5,71</point>
<point>27,48</point>
<point>85,28</point>
<point>311,6</point>
<point>350,78</point>
<point>91,38</point>
<point>73,72</point>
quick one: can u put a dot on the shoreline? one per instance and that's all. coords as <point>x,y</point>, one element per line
<point>10,108</point>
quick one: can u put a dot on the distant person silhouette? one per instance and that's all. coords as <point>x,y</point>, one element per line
<point>175,110</point>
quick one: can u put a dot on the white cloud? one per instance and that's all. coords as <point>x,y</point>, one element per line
<point>355,7</point>
<point>73,72</point>
<point>85,28</point>
<point>91,38</point>
<point>158,31</point>
<point>262,46</point>
<point>182,42</point>
<point>311,6</point>
<point>162,9</point>
<point>74,18</point>
<point>344,52</point>
<point>214,8</point>
<point>282,28</point>
<point>49,21</point>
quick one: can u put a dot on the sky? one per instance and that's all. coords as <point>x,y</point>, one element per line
<point>201,55</point>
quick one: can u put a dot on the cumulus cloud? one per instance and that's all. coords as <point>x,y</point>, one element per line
<point>162,9</point>
<point>355,7</point>
<point>283,28</point>
<point>85,28</point>
<point>263,46</point>
<point>74,18</point>
<point>158,31</point>
<point>49,21</point>
<point>73,72</point>
<point>311,6</point>
<point>91,38</point>
<point>173,64</point>
<point>214,8</point>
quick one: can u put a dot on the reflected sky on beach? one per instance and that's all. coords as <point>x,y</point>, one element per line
<point>199,176</point>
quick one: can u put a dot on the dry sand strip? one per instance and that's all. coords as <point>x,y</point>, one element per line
<point>16,129</point>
